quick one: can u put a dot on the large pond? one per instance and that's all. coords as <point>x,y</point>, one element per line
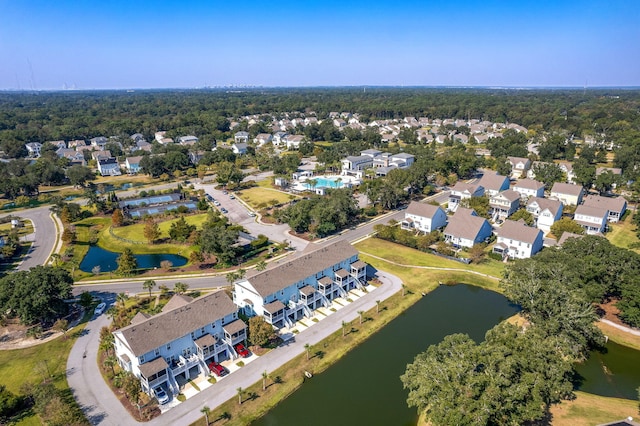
<point>107,260</point>
<point>364,387</point>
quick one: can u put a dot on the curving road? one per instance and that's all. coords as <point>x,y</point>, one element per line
<point>44,238</point>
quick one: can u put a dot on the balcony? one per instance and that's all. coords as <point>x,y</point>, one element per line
<point>183,364</point>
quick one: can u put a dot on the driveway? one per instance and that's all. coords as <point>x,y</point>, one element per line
<point>102,407</point>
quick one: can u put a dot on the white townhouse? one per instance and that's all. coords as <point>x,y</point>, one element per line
<point>545,211</point>
<point>463,191</point>
<point>517,240</point>
<point>567,169</point>
<point>592,219</point>
<point>181,340</point>
<point>241,137</point>
<point>617,206</point>
<point>423,217</point>
<point>529,188</point>
<point>504,204</point>
<point>288,292</point>
<point>355,165</point>
<point>567,193</point>
<point>466,228</point>
<point>385,162</point>
<point>294,141</point>
<point>108,166</point>
<point>188,140</point>
<point>493,183</point>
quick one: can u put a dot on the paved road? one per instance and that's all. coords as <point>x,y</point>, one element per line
<point>102,407</point>
<point>44,237</point>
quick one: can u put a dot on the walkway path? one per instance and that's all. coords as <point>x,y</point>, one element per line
<point>102,407</point>
<point>626,329</point>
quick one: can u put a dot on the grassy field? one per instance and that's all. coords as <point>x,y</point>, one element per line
<point>20,366</point>
<point>5,228</point>
<point>589,409</point>
<point>408,256</point>
<point>259,197</point>
<point>623,234</point>
<point>619,336</point>
<point>135,232</point>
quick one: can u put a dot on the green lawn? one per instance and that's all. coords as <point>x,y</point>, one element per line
<point>20,366</point>
<point>408,256</point>
<point>135,232</point>
<point>623,234</point>
<point>257,196</point>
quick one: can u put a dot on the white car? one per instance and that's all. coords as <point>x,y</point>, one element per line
<point>100,308</point>
<point>161,395</point>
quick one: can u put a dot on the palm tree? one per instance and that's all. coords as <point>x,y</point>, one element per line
<point>121,298</point>
<point>55,258</point>
<point>240,390</point>
<point>180,287</point>
<point>206,411</point>
<point>231,277</point>
<point>344,327</point>
<point>111,361</point>
<point>241,273</point>
<point>307,347</point>
<point>404,287</point>
<point>360,313</point>
<point>261,266</point>
<point>264,379</point>
<point>377,306</point>
<point>149,285</point>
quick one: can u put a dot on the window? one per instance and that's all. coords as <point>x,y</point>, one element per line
<point>168,346</point>
<point>157,351</point>
<point>141,359</point>
<point>193,335</point>
<point>202,330</point>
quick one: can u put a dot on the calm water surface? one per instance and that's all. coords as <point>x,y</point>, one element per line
<point>107,260</point>
<point>364,387</point>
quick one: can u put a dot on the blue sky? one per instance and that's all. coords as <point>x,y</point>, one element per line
<point>166,44</point>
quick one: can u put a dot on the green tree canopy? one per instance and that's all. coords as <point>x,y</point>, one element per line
<point>127,263</point>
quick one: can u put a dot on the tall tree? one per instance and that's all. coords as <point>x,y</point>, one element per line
<point>151,230</point>
<point>127,263</point>
<point>149,285</point>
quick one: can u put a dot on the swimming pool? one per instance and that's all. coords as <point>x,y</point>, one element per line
<point>325,182</point>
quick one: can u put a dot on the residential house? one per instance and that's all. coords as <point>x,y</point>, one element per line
<point>142,145</point>
<point>528,188</point>
<point>188,140</point>
<point>109,167</point>
<point>195,156</point>
<point>239,148</point>
<point>545,211</point>
<point>567,193</point>
<point>294,141</point>
<point>279,138</point>
<point>74,157</point>
<point>137,137</point>
<point>461,137</point>
<point>58,144</point>
<point>290,291</point>
<point>616,206</point>
<point>179,341</point>
<point>517,240</point>
<point>566,235</point>
<point>76,143</point>
<point>356,165</point>
<point>466,228</point>
<point>463,191</point>
<point>159,136</point>
<point>493,183</point>
<point>423,217</point>
<point>504,204</point>
<point>519,166</point>
<point>100,155</point>
<point>613,170</point>
<point>99,142</point>
<point>592,218</point>
<point>567,169</point>
<point>241,137</point>
<point>263,138</point>
<point>33,149</point>
<point>132,164</point>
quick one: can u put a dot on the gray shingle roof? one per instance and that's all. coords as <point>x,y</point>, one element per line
<point>312,261</point>
<point>529,184</point>
<point>464,225</point>
<point>235,326</point>
<point>614,204</point>
<point>422,209</point>
<point>519,231</point>
<point>566,188</point>
<point>169,325</point>
<point>148,369</point>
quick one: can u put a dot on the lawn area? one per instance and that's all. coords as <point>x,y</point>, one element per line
<point>5,228</point>
<point>20,366</point>
<point>619,336</point>
<point>136,232</point>
<point>408,256</point>
<point>623,234</point>
<point>259,197</point>
<point>588,409</point>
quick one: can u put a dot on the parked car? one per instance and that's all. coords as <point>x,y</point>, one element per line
<point>217,369</point>
<point>225,192</point>
<point>161,395</point>
<point>232,197</point>
<point>242,351</point>
<point>216,202</point>
<point>252,214</point>
<point>100,308</point>
<point>223,210</point>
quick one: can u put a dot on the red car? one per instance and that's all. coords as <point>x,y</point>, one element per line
<point>242,351</point>
<point>217,369</point>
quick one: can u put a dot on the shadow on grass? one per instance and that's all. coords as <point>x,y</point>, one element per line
<point>319,354</point>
